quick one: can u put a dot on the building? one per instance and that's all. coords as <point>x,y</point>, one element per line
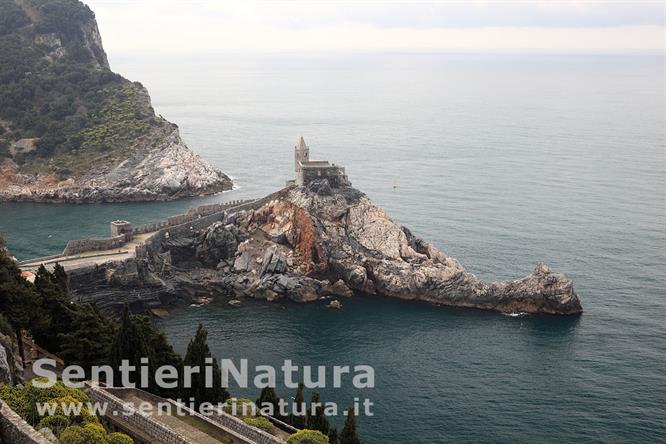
<point>308,170</point>
<point>121,227</point>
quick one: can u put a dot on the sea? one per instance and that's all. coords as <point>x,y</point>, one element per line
<point>501,161</point>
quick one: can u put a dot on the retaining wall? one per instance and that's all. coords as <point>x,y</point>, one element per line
<point>137,421</point>
<point>14,430</point>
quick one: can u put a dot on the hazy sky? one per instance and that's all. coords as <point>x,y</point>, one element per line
<point>526,25</point>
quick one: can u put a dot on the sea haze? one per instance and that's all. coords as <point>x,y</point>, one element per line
<point>502,162</point>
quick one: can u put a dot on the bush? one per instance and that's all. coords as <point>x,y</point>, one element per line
<point>261,423</point>
<point>308,437</point>
<point>119,438</point>
<point>88,434</point>
<point>83,416</point>
<point>239,407</point>
<point>57,423</point>
<point>16,399</point>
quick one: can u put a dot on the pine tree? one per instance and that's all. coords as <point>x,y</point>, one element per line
<point>317,420</point>
<point>59,277</point>
<point>268,397</point>
<point>18,300</point>
<point>298,421</point>
<point>349,434</point>
<point>129,344</point>
<point>197,352</point>
<point>89,339</point>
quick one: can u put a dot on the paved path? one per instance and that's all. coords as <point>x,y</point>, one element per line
<point>91,257</point>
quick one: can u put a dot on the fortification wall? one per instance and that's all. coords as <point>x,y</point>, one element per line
<point>80,245</point>
<point>14,430</point>
<point>138,421</point>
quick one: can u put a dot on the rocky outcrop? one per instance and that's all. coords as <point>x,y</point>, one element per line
<point>164,170</point>
<point>104,143</point>
<point>304,245</point>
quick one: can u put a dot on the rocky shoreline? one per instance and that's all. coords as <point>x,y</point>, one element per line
<point>160,168</point>
<point>307,243</point>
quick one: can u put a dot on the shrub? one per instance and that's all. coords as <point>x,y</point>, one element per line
<point>57,423</point>
<point>308,437</point>
<point>88,434</point>
<point>119,438</point>
<point>80,415</point>
<point>16,399</point>
<point>239,407</point>
<point>260,423</point>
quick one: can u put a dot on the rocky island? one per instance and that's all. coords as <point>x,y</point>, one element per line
<point>71,130</point>
<point>315,238</point>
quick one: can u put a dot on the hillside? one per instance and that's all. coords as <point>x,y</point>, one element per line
<point>72,130</point>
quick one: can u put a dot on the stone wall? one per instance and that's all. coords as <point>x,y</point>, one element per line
<point>137,421</point>
<point>335,175</point>
<point>81,245</point>
<point>14,430</point>
<point>230,424</point>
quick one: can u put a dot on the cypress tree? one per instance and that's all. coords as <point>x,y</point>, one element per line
<point>129,344</point>
<point>162,354</point>
<point>197,352</point>
<point>317,420</point>
<point>268,397</point>
<point>349,434</point>
<point>89,340</point>
<point>298,421</point>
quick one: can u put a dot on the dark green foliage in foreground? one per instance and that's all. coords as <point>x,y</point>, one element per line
<point>298,421</point>
<point>197,354</point>
<point>349,435</point>
<point>129,345</point>
<point>317,421</point>
<point>268,396</point>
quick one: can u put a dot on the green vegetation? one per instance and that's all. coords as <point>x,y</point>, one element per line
<point>298,421</point>
<point>198,354</point>
<point>349,434</point>
<point>61,91</point>
<point>308,437</point>
<point>70,425</point>
<point>317,421</point>
<point>81,335</point>
<point>260,423</point>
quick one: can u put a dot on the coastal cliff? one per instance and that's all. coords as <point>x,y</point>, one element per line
<point>308,242</point>
<point>71,130</point>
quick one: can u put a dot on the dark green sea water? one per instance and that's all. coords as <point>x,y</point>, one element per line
<point>501,161</point>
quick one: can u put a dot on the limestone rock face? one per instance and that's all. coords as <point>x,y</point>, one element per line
<point>163,168</point>
<point>304,245</point>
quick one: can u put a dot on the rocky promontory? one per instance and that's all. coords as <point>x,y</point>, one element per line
<point>309,242</point>
<point>72,130</point>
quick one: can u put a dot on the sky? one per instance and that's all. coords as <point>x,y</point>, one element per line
<point>564,26</point>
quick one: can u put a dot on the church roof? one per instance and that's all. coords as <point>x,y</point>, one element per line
<point>301,144</point>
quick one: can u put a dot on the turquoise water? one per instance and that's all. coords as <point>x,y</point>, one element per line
<point>501,161</point>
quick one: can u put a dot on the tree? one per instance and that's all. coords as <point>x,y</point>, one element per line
<point>317,420</point>
<point>162,353</point>
<point>18,301</point>
<point>197,354</point>
<point>268,397</point>
<point>349,434</point>
<point>333,436</point>
<point>295,420</point>
<point>89,340</point>
<point>129,344</point>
